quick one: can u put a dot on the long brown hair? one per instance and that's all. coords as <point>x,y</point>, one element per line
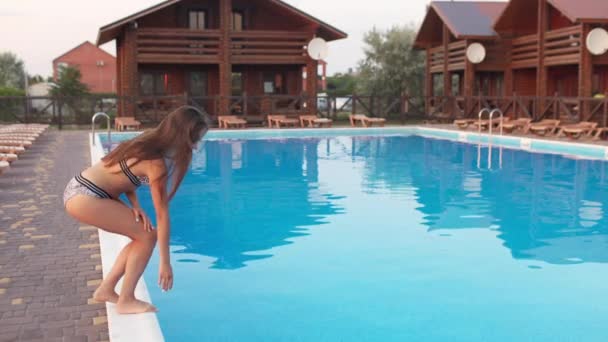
<point>174,139</point>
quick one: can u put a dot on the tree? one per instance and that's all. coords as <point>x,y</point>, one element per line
<point>12,71</point>
<point>341,84</point>
<point>71,94</point>
<point>68,83</point>
<point>35,79</point>
<point>391,66</point>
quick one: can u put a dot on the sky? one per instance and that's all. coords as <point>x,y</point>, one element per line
<point>39,31</point>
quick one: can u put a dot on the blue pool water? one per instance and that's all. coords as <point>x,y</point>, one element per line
<point>385,239</point>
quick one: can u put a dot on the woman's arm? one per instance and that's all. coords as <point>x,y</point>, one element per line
<point>132,196</point>
<point>158,189</point>
<point>138,211</point>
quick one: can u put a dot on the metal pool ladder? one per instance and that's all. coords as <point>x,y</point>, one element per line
<point>109,126</point>
<point>490,128</point>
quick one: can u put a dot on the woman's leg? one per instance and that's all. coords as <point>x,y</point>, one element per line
<point>106,291</point>
<point>115,217</point>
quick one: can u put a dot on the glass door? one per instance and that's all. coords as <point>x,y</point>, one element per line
<point>197,86</point>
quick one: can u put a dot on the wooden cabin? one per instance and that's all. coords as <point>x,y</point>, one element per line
<point>542,68</point>
<point>227,56</point>
<point>448,28</point>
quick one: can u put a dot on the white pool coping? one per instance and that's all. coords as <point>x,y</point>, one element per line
<point>145,327</point>
<point>123,328</point>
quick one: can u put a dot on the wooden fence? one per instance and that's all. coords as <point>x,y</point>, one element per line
<point>567,109</point>
<point>151,110</point>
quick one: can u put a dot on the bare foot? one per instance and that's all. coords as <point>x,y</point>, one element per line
<point>134,306</point>
<point>103,294</point>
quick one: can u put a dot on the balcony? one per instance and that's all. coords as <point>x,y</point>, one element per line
<point>185,46</point>
<point>562,46</point>
<point>174,45</point>
<point>269,47</point>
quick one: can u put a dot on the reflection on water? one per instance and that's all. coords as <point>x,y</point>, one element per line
<point>242,199</point>
<point>544,207</point>
<point>384,239</point>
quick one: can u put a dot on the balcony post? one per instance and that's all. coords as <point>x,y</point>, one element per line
<point>541,71</point>
<point>128,83</point>
<point>311,85</point>
<point>225,66</point>
<point>428,82</point>
<point>469,82</point>
<point>447,80</point>
<point>585,74</point>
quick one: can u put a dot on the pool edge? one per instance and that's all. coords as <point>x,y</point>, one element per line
<point>146,327</point>
<point>142,327</point>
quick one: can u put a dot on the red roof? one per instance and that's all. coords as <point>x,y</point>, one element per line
<point>80,46</point>
<point>469,18</point>
<point>111,31</point>
<point>464,19</point>
<point>582,10</point>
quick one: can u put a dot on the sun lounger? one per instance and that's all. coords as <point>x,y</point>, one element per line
<point>544,127</point>
<point>34,128</point>
<point>11,142</point>
<point>313,121</point>
<point>11,149</point>
<point>280,121</point>
<point>463,123</point>
<point>286,122</point>
<point>271,119</point>
<point>4,165</point>
<point>513,125</point>
<point>485,124</point>
<point>17,136</point>
<point>575,131</point>
<point>231,121</point>
<point>365,120</point>
<point>125,123</point>
<point>9,157</point>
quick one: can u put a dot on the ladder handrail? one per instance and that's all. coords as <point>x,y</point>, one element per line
<point>109,126</point>
<point>490,128</point>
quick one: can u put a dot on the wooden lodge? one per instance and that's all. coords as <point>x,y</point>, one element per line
<point>536,65</point>
<point>226,56</point>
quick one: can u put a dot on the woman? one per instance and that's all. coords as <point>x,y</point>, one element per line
<point>156,157</point>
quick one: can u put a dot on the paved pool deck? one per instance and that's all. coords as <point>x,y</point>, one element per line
<point>519,134</point>
<point>49,264</point>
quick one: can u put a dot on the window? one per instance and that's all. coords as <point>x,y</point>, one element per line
<point>500,85</point>
<point>197,20</point>
<point>269,83</point>
<point>274,83</point>
<point>237,84</point>
<point>153,83</point>
<point>238,21</point>
<point>61,65</point>
<point>198,84</point>
<point>437,84</point>
<point>456,85</point>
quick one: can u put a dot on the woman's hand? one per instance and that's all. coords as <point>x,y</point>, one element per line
<point>165,277</point>
<point>140,216</point>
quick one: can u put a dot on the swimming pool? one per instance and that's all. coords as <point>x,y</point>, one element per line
<point>385,238</point>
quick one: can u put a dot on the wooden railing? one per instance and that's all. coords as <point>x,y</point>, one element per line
<point>563,46</point>
<point>437,59</point>
<point>268,46</point>
<point>456,55</point>
<point>525,51</point>
<point>176,45</point>
<point>566,109</point>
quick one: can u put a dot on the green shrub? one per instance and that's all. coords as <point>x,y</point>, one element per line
<point>7,91</point>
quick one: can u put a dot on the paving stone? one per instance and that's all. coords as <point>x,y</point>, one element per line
<point>43,276</point>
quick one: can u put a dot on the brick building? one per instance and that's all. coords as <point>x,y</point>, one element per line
<point>98,67</point>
